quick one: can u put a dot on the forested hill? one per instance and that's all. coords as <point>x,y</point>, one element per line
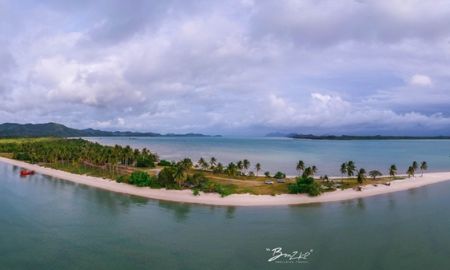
<point>57,130</point>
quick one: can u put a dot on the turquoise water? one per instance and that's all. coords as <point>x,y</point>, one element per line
<point>283,153</point>
<point>48,223</point>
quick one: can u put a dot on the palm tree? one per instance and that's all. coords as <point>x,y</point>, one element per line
<point>219,168</point>
<point>374,174</point>
<point>186,163</point>
<point>410,171</point>
<point>203,164</point>
<point>246,164</point>
<point>300,166</point>
<point>343,170</point>
<point>314,169</point>
<point>415,166</point>
<point>423,166</point>
<point>212,162</point>
<point>393,171</point>
<point>231,169</point>
<point>240,165</point>
<point>308,172</point>
<point>179,174</point>
<point>351,168</point>
<point>258,168</point>
<point>361,175</point>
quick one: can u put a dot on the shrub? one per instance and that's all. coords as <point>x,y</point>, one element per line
<point>305,185</point>
<point>197,179</point>
<point>145,162</point>
<point>140,179</point>
<point>223,190</point>
<point>122,179</point>
<point>166,177</point>
<point>21,156</point>
<point>279,175</point>
<point>164,163</point>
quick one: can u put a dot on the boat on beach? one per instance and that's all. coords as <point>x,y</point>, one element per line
<point>25,172</point>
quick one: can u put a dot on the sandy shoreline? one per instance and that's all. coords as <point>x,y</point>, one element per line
<point>186,196</point>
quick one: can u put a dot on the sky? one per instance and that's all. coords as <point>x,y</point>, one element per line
<point>228,67</point>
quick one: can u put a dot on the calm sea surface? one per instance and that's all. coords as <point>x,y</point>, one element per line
<point>48,223</point>
<point>283,153</point>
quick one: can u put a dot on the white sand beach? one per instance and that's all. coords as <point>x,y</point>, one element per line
<point>186,196</point>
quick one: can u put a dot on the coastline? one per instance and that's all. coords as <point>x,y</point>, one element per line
<point>186,196</point>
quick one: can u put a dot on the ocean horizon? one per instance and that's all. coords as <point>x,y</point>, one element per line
<point>282,154</point>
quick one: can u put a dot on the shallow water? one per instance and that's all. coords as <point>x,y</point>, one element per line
<point>48,223</point>
<point>283,153</point>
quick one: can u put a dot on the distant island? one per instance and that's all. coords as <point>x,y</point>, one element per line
<point>11,130</point>
<point>370,137</point>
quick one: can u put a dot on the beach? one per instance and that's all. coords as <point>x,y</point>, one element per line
<point>186,196</point>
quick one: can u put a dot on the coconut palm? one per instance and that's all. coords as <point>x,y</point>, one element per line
<point>179,174</point>
<point>231,169</point>
<point>415,166</point>
<point>202,163</point>
<point>219,168</point>
<point>186,164</point>
<point>213,162</point>
<point>246,164</point>
<point>351,168</point>
<point>374,174</point>
<point>300,166</point>
<point>308,172</point>
<point>393,170</point>
<point>410,171</point>
<point>314,169</point>
<point>258,168</point>
<point>423,166</point>
<point>361,176</point>
<point>343,169</point>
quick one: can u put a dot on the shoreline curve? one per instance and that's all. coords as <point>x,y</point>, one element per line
<point>186,196</point>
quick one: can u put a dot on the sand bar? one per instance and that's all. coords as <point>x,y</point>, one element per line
<point>186,196</point>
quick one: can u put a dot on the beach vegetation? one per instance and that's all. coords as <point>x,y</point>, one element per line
<point>374,174</point>
<point>393,170</point>
<point>361,175</point>
<point>279,175</point>
<point>305,184</point>
<point>258,168</point>
<point>410,172</point>
<point>423,167</point>
<point>164,162</point>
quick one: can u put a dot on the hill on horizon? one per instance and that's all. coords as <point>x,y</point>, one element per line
<point>9,130</point>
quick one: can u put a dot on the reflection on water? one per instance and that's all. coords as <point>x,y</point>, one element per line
<point>47,223</point>
<point>180,210</point>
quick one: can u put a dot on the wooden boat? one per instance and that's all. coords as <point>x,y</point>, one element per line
<point>24,172</point>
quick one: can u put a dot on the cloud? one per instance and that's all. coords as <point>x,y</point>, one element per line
<point>420,80</point>
<point>227,66</point>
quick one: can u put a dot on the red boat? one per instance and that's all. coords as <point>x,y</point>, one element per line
<point>24,172</point>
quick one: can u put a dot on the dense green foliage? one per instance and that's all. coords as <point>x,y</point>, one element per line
<point>79,151</point>
<point>305,184</point>
<point>279,175</point>
<point>141,179</point>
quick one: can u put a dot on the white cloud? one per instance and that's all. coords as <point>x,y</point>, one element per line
<point>420,80</point>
